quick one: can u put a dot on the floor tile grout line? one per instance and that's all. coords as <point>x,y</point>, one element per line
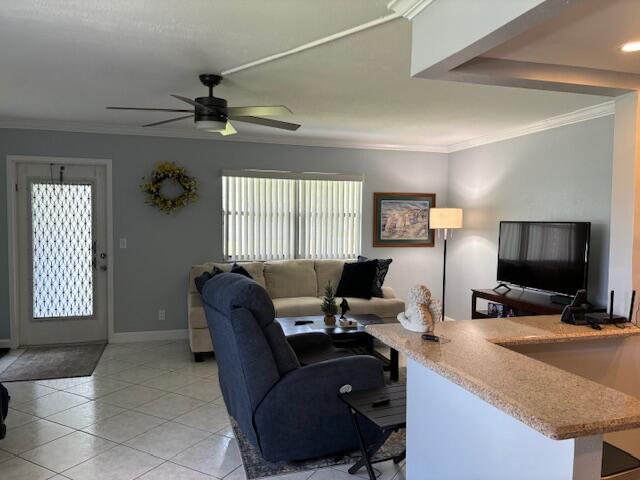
<point>116,444</point>
<point>55,413</point>
<point>165,391</point>
<point>165,421</point>
<point>168,459</point>
<point>66,435</point>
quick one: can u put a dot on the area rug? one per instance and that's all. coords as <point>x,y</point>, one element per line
<point>43,363</point>
<point>256,466</point>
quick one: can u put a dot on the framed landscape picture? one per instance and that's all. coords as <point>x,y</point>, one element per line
<point>402,219</point>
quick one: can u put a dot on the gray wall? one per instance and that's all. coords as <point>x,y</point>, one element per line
<point>151,273</point>
<point>559,174</point>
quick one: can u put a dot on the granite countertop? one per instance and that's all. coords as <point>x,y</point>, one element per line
<point>557,403</point>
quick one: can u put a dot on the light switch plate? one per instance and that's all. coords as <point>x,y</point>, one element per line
<point>123,243</point>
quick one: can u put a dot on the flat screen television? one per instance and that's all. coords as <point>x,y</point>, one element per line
<point>548,256</point>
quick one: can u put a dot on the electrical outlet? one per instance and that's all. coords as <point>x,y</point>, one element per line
<point>123,243</point>
<point>162,315</point>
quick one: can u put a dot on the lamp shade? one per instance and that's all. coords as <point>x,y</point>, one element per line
<point>445,218</point>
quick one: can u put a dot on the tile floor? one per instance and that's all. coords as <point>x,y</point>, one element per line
<point>148,412</point>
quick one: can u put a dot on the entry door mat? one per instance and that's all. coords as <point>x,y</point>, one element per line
<point>44,363</point>
<point>256,466</point>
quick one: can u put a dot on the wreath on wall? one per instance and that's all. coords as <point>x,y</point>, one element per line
<point>168,171</point>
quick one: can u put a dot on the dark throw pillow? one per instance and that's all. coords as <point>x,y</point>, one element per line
<point>381,273</point>
<point>357,279</point>
<point>204,278</point>
<point>240,271</point>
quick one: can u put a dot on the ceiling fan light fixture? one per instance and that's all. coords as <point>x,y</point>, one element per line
<point>211,125</point>
<point>210,113</point>
<point>631,47</point>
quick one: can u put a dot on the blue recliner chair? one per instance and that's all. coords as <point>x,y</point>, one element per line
<point>288,411</point>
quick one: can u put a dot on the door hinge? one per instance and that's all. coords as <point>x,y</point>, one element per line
<point>16,187</point>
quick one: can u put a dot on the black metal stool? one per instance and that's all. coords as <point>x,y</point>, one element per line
<point>386,407</point>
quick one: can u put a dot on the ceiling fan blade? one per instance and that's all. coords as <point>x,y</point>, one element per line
<point>267,122</point>
<point>228,130</point>
<point>150,109</point>
<point>192,102</point>
<point>267,111</point>
<point>168,121</point>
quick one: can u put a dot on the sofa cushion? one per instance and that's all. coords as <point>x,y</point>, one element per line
<point>328,271</point>
<point>255,269</point>
<point>240,270</point>
<point>381,273</point>
<point>357,279</point>
<point>383,307</point>
<point>297,306</point>
<point>290,278</point>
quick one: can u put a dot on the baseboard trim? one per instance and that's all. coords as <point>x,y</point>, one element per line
<point>5,343</point>
<point>150,336</point>
<point>449,319</point>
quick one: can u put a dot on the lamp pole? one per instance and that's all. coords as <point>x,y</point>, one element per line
<point>444,274</point>
<point>443,220</point>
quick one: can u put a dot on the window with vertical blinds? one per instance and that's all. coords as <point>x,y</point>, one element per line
<point>278,216</point>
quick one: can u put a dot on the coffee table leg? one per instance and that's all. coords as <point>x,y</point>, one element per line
<point>369,345</point>
<point>394,365</point>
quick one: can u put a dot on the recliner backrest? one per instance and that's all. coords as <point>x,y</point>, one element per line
<point>251,349</point>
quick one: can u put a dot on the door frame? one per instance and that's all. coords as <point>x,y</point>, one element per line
<point>12,231</point>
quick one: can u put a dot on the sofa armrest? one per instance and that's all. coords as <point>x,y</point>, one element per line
<point>388,292</point>
<point>303,342</point>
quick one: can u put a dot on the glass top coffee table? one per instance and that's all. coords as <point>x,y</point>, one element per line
<point>352,337</point>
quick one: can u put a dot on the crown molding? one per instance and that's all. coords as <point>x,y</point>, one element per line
<point>111,129</point>
<point>582,115</point>
<point>577,116</point>
<point>408,8</point>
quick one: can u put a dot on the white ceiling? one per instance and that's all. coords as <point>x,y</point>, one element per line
<point>588,35</point>
<point>65,60</point>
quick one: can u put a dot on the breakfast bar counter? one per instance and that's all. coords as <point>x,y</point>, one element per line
<point>501,413</point>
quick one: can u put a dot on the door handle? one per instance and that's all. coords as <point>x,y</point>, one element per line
<point>103,268</point>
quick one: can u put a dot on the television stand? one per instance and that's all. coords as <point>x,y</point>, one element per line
<point>523,302</point>
<point>502,285</point>
<point>561,299</point>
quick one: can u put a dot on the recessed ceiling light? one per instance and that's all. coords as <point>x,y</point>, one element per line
<point>631,47</point>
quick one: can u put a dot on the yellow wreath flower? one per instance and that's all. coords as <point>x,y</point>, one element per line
<point>170,171</point>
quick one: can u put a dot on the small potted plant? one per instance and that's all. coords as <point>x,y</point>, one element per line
<point>329,306</point>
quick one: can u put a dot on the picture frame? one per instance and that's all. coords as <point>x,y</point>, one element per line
<point>402,219</point>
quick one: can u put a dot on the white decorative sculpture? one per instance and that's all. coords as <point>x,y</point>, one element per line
<point>422,312</point>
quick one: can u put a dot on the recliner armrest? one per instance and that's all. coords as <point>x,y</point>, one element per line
<point>319,384</point>
<point>302,416</point>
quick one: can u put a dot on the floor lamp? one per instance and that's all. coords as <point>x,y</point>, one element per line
<point>443,220</point>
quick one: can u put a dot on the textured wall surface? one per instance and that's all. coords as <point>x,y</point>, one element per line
<point>562,174</point>
<point>151,273</point>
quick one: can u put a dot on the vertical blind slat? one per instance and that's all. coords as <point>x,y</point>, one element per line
<point>269,218</point>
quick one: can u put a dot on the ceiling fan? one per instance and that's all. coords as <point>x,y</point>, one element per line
<point>212,114</point>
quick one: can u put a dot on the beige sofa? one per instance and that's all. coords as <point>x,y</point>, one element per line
<point>295,286</point>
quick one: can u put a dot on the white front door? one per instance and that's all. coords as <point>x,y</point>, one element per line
<point>62,252</point>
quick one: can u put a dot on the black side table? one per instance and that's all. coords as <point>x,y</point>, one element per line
<point>386,407</point>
